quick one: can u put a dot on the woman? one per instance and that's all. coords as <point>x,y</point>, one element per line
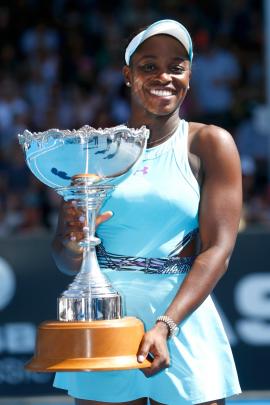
<point>189,182</point>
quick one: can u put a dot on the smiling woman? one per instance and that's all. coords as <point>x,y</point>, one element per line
<point>159,75</point>
<point>174,228</point>
<point>158,70</point>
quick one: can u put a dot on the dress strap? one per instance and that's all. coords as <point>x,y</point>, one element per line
<point>181,152</point>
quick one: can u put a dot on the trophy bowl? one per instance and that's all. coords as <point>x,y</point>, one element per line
<point>85,165</point>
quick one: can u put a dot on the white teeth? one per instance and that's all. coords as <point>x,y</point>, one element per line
<point>161,93</point>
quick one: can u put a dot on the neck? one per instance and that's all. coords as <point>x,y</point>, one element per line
<point>161,127</point>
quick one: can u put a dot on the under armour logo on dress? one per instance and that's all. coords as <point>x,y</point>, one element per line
<point>144,170</point>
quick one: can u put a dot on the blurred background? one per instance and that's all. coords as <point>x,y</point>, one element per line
<point>61,67</point>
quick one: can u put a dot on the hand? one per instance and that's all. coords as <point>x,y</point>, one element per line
<point>71,223</point>
<point>154,344</point>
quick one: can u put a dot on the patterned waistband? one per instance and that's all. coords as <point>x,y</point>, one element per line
<point>170,265</point>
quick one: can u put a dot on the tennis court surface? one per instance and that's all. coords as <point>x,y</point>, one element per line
<point>247,398</point>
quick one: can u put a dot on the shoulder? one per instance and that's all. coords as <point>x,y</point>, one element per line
<point>212,144</point>
<point>203,138</point>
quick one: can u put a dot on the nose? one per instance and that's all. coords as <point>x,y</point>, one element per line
<point>163,77</point>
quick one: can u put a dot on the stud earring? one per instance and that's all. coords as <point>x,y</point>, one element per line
<point>128,84</point>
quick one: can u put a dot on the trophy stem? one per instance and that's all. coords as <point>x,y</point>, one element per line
<point>89,228</point>
<point>90,296</point>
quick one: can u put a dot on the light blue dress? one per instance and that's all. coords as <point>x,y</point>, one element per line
<point>155,208</point>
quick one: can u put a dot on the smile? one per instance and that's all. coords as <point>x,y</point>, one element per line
<point>161,93</point>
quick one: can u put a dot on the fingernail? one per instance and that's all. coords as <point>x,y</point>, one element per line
<point>74,202</point>
<point>82,218</point>
<point>140,358</point>
<point>73,238</point>
<point>85,229</point>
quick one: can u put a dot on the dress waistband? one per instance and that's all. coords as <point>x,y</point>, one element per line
<point>169,265</point>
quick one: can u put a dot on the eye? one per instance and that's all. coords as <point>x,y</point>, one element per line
<point>148,67</point>
<point>177,69</point>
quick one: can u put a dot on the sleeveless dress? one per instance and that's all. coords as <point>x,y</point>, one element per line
<point>155,211</point>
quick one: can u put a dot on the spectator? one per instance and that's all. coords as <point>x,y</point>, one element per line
<point>59,67</point>
<point>214,87</point>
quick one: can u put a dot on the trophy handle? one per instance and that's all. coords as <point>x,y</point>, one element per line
<point>90,296</point>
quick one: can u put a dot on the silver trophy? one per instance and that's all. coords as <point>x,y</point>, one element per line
<point>85,165</point>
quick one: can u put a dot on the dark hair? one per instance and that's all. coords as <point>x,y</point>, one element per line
<point>128,39</point>
<point>133,34</point>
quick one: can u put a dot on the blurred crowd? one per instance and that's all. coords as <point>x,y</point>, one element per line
<point>61,67</point>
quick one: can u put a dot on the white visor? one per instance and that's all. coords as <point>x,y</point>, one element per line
<point>168,27</point>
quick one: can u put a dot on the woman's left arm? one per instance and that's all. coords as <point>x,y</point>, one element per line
<point>219,215</point>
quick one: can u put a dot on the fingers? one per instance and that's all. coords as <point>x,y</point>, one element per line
<point>103,217</point>
<point>159,363</point>
<point>70,215</point>
<point>144,349</point>
<point>72,246</point>
<point>72,221</point>
<point>156,347</point>
<point>75,217</point>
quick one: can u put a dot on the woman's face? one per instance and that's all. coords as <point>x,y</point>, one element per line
<point>159,75</point>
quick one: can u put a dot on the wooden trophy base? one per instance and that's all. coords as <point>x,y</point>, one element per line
<point>84,346</point>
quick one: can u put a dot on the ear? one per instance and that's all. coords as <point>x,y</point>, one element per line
<point>190,74</point>
<point>126,74</point>
<point>189,77</point>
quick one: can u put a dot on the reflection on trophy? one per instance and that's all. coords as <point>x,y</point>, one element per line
<point>85,165</point>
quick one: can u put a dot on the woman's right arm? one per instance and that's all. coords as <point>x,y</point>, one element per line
<point>66,251</point>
